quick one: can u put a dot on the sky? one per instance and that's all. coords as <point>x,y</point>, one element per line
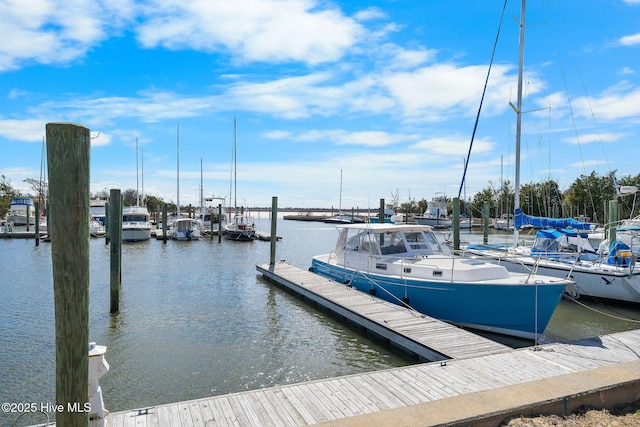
<point>337,103</point>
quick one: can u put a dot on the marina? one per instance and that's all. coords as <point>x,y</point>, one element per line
<point>214,330</point>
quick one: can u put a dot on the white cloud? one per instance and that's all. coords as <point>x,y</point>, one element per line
<point>593,137</point>
<point>253,30</point>
<point>631,40</point>
<point>54,31</point>
<point>28,130</point>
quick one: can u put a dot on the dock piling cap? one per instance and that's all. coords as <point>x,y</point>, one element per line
<point>96,350</point>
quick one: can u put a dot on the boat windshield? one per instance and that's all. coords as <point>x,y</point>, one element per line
<point>403,243</point>
<point>134,218</point>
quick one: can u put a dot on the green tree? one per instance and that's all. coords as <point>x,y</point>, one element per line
<point>7,192</point>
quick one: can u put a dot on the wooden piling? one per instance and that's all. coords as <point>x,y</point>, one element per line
<point>68,157</point>
<point>381,212</point>
<point>274,238</point>
<point>485,222</point>
<point>115,250</point>
<point>37,234</point>
<point>220,222</point>
<point>106,223</point>
<point>164,223</point>
<point>613,220</point>
<point>456,225</point>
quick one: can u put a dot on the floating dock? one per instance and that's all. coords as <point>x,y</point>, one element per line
<point>415,333</point>
<point>467,385</point>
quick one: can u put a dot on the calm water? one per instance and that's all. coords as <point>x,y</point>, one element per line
<point>197,320</point>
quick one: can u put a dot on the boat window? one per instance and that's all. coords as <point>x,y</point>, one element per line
<point>134,218</point>
<point>543,244</point>
<point>363,242</point>
<point>392,243</point>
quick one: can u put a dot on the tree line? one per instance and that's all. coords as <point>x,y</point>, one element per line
<point>588,196</point>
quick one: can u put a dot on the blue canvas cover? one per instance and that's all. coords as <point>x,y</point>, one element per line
<point>521,219</point>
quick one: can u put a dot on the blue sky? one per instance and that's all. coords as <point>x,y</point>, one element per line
<point>385,90</point>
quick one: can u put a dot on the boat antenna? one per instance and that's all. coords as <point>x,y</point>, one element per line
<point>484,91</point>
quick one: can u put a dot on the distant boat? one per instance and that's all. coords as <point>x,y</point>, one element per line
<point>211,217</point>
<point>405,264</point>
<point>136,224</point>
<point>18,211</point>
<point>98,218</point>
<point>436,215</point>
<point>343,219</point>
<point>185,229</point>
<point>241,227</point>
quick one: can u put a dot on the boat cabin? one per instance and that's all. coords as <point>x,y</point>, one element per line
<point>389,239</point>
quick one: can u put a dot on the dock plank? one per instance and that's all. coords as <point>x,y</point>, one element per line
<point>429,338</point>
<point>367,393</point>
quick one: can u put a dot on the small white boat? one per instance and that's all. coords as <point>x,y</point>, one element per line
<point>185,229</point>
<point>437,215</point>
<point>97,224</point>
<point>136,224</point>
<point>405,264</point>
<point>18,211</point>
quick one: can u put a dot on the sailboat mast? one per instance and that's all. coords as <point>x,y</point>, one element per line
<point>235,169</point>
<point>137,177</point>
<point>142,173</point>
<point>340,202</point>
<point>178,170</point>
<point>518,110</point>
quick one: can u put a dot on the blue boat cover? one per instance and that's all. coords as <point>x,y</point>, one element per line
<point>521,219</point>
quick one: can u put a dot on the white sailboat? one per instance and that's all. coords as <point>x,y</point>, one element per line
<point>241,227</point>
<point>185,229</point>
<point>613,277</point>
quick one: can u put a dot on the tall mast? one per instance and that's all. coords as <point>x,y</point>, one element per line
<point>137,177</point>
<point>235,169</point>
<point>142,172</point>
<point>340,202</point>
<point>178,171</point>
<point>518,110</point>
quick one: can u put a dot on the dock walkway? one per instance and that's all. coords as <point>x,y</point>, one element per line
<point>428,338</point>
<point>556,378</point>
<point>477,387</point>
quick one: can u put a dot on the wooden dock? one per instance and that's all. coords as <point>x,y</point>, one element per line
<point>428,338</point>
<point>487,383</point>
<point>460,392</point>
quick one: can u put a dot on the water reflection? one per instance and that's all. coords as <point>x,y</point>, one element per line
<point>196,320</point>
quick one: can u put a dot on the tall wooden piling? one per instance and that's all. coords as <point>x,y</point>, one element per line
<point>68,157</point>
<point>220,222</point>
<point>613,220</point>
<point>106,223</point>
<point>456,224</point>
<point>115,248</point>
<point>381,212</point>
<point>485,222</point>
<point>164,223</point>
<point>37,233</point>
<point>274,238</point>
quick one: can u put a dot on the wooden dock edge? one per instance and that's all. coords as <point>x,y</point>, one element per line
<point>402,342</point>
<point>601,388</point>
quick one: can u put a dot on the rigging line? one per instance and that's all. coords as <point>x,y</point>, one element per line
<point>570,106</point>
<point>626,319</point>
<point>484,91</point>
